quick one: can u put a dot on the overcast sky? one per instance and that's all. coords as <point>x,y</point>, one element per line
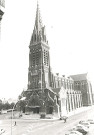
<point>70,32</point>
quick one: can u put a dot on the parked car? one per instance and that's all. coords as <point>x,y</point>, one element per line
<point>82,129</point>
<point>85,123</point>
<point>91,121</point>
<point>74,132</point>
<point>2,131</point>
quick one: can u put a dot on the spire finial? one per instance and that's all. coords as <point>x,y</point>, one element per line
<point>38,21</point>
<point>37,3</point>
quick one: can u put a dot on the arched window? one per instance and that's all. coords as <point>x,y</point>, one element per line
<point>35,37</point>
<point>44,57</point>
<point>37,58</point>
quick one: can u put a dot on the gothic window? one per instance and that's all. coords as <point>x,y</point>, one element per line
<point>47,59</point>
<point>35,37</point>
<point>34,82</point>
<point>34,85</point>
<point>37,58</point>
<point>33,58</point>
<point>29,83</point>
<point>44,57</point>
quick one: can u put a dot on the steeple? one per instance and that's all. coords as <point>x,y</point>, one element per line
<point>39,33</point>
<point>38,21</point>
<point>39,58</point>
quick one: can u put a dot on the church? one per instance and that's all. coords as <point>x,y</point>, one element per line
<point>48,93</point>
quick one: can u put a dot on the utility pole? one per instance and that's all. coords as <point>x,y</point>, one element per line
<point>23,98</point>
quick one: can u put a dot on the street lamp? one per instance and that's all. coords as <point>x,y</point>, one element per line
<point>23,98</point>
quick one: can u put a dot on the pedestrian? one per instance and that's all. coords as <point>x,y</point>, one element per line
<point>64,120</point>
<point>15,123</point>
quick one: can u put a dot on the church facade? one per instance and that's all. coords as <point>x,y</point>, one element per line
<point>48,93</point>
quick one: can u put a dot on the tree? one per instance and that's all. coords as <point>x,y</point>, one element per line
<point>6,106</point>
<point>0,105</point>
<point>21,105</point>
<point>12,105</point>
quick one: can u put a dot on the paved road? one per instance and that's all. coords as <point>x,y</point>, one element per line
<point>45,127</point>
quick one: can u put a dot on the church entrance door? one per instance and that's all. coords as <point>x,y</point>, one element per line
<point>35,110</point>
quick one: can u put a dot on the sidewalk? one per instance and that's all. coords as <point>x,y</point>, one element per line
<point>52,117</point>
<point>37,117</point>
<point>79,110</point>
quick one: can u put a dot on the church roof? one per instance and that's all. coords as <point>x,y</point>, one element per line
<point>79,77</point>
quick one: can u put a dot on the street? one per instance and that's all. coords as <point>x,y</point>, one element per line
<point>45,127</point>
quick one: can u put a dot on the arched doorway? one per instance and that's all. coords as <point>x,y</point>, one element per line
<point>34,104</point>
<point>49,107</point>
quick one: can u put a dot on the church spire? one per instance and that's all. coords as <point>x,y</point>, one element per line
<point>39,33</point>
<point>38,21</point>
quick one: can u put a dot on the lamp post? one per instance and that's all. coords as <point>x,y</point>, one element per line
<point>13,109</point>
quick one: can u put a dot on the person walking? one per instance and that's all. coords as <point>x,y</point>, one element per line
<point>15,123</point>
<point>65,120</point>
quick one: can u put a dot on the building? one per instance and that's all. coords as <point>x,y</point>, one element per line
<point>82,83</point>
<point>41,96</point>
<point>2,7</point>
<point>48,93</point>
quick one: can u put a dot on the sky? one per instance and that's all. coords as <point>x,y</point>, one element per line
<point>70,33</point>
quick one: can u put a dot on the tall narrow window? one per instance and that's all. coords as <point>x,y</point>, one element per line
<point>35,37</point>
<point>44,58</point>
<point>33,59</point>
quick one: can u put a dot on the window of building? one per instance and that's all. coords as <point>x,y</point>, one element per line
<point>44,57</point>
<point>35,37</point>
<point>37,58</point>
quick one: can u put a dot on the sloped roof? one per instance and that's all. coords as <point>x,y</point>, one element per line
<point>79,77</point>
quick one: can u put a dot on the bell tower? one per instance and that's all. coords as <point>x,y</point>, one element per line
<point>38,71</point>
<point>40,96</point>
